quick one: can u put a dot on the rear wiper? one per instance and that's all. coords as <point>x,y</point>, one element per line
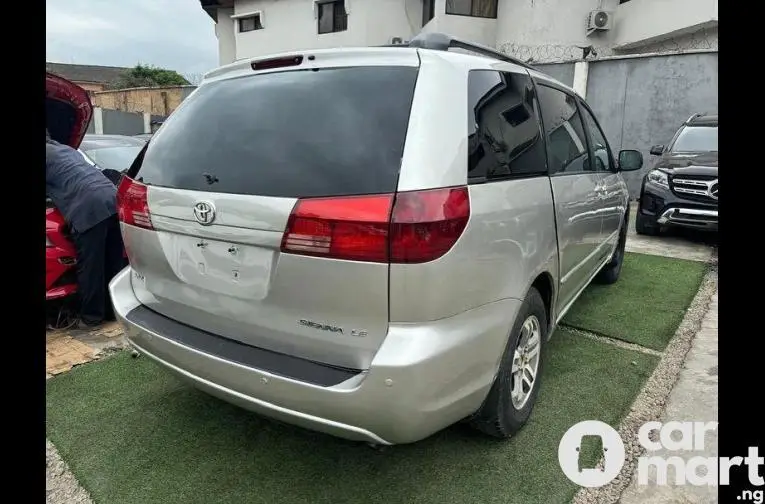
<point>211,179</point>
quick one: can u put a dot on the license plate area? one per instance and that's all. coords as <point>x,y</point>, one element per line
<point>227,268</point>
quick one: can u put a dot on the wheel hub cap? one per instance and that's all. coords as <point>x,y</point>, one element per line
<point>525,362</point>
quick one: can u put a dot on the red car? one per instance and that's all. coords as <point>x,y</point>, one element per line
<point>68,112</point>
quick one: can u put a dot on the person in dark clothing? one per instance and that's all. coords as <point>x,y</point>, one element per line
<point>88,202</point>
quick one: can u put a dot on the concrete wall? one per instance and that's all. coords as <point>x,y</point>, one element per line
<point>154,100</point>
<point>641,101</point>
<point>563,72</point>
<point>116,122</point>
<point>90,86</point>
<point>706,39</point>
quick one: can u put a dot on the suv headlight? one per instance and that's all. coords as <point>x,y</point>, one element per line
<point>658,177</point>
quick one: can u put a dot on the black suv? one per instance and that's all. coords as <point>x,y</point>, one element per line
<point>681,190</point>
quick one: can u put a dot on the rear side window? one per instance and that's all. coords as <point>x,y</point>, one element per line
<point>504,134</point>
<point>566,142</point>
<point>306,133</point>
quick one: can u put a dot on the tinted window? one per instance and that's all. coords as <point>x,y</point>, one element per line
<point>598,143</point>
<point>696,139</point>
<point>288,134</point>
<point>504,136</point>
<point>566,143</point>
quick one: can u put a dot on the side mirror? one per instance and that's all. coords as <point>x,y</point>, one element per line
<point>657,150</point>
<point>630,160</point>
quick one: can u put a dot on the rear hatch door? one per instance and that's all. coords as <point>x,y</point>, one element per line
<point>223,175</point>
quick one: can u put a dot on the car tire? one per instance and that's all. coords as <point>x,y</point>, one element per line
<point>609,273</point>
<point>645,225</point>
<point>504,412</point>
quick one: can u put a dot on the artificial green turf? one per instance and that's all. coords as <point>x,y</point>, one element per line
<point>645,306</point>
<point>131,433</point>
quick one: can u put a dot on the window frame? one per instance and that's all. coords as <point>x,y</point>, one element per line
<point>544,172</point>
<point>321,4</point>
<point>583,105</point>
<point>258,22</point>
<point>544,83</point>
<point>496,10</point>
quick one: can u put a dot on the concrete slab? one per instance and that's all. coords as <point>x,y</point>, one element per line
<point>680,244</point>
<point>694,398</point>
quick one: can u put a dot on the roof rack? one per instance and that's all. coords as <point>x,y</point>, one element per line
<point>694,116</point>
<point>443,42</point>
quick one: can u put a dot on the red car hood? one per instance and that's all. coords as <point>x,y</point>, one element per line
<point>67,110</point>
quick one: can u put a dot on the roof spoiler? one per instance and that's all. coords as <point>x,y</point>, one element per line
<point>444,42</point>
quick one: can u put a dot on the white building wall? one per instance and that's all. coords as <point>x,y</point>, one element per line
<point>225,31</point>
<point>290,25</point>
<point>555,30</point>
<point>474,29</point>
<point>641,22</point>
<point>536,30</point>
<point>549,22</point>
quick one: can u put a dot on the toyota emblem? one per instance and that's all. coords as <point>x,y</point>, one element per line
<point>204,213</point>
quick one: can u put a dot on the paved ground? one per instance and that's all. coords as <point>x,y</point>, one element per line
<point>679,244</point>
<point>694,397</point>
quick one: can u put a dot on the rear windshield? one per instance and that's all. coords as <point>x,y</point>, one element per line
<point>326,132</point>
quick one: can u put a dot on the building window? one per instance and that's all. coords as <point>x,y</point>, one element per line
<point>473,8</point>
<point>250,23</point>
<point>428,10</point>
<point>332,16</point>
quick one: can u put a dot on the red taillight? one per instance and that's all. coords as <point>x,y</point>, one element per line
<point>421,226</point>
<point>426,224</point>
<point>133,204</point>
<point>353,228</point>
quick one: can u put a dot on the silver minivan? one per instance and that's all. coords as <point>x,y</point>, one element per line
<point>374,243</point>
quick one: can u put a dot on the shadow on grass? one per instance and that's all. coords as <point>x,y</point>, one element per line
<point>132,433</point>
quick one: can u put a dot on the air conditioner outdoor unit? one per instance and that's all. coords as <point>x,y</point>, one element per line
<point>599,20</point>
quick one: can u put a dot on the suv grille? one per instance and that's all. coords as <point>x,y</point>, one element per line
<point>695,187</point>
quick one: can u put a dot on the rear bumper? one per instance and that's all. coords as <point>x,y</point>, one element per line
<point>423,378</point>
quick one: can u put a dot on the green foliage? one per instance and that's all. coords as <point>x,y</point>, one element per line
<point>149,76</point>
